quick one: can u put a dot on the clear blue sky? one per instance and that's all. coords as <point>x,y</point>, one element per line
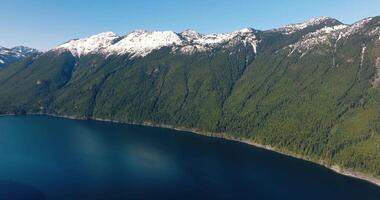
<point>44,24</point>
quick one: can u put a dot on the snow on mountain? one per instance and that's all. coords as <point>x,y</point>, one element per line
<point>191,35</point>
<point>330,35</point>
<point>23,50</point>
<point>375,31</point>
<point>248,37</point>
<point>11,55</point>
<point>17,52</point>
<point>325,35</point>
<point>4,50</point>
<point>356,27</point>
<point>95,43</point>
<point>223,37</point>
<point>291,28</point>
<point>141,42</point>
<point>199,42</point>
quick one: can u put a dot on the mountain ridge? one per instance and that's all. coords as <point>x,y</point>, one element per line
<point>142,42</point>
<point>14,54</point>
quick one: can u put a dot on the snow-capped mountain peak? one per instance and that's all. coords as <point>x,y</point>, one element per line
<point>331,35</point>
<point>246,30</point>
<point>357,26</point>
<point>142,42</point>
<point>90,44</point>
<point>291,28</point>
<point>219,38</point>
<point>24,50</point>
<point>191,35</point>
<point>139,43</point>
<point>11,55</point>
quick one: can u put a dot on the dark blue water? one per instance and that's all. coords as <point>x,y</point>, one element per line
<point>51,158</point>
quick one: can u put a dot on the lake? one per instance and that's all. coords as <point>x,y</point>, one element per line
<point>52,158</point>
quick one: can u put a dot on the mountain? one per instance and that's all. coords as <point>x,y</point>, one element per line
<point>12,55</point>
<point>311,89</point>
<point>141,43</point>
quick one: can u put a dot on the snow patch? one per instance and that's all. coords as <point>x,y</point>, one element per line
<point>356,27</point>
<point>191,35</point>
<point>375,32</point>
<point>205,42</point>
<point>15,53</point>
<point>23,50</point>
<point>326,35</point>
<point>330,36</point>
<point>362,56</point>
<point>291,28</point>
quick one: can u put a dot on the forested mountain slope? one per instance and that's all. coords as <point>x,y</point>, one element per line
<point>310,88</point>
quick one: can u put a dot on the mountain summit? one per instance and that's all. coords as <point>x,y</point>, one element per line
<point>9,56</point>
<point>316,21</point>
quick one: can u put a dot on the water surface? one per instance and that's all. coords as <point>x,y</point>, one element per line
<point>51,158</point>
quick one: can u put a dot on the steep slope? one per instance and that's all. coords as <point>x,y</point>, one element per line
<point>309,88</point>
<point>9,56</point>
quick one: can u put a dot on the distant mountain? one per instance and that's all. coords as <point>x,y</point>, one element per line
<point>12,55</point>
<point>310,88</point>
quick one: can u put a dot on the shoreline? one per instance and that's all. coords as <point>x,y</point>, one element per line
<point>335,168</point>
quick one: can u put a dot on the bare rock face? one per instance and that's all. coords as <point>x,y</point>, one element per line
<point>376,81</point>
